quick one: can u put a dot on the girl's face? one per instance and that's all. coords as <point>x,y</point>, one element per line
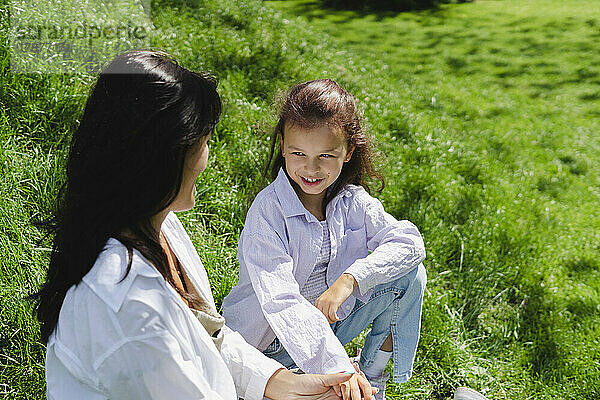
<point>314,157</point>
<point>195,162</point>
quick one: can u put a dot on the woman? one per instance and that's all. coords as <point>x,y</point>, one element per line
<point>126,308</point>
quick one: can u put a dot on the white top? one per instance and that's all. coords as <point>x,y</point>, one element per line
<point>316,284</point>
<point>137,339</point>
<point>278,249</point>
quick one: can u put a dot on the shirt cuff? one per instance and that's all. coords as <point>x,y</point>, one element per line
<point>258,381</point>
<point>362,276</point>
<point>336,365</point>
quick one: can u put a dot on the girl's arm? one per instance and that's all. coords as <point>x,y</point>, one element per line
<point>333,298</point>
<point>396,246</point>
<point>300,327</point>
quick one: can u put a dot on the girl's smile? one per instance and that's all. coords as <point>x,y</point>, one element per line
<point>311,181</point>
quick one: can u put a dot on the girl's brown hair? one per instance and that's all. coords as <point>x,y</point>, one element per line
<point>320,102</point>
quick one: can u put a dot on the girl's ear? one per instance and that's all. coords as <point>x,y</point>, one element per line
<point>281,147</point>
<point>349,153</point>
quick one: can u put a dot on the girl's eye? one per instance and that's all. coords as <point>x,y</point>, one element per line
<point>326,156</point>
<point>297,153</point>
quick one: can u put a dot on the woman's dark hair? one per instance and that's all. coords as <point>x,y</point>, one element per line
<point>125,165</point>
<point>321,102</point>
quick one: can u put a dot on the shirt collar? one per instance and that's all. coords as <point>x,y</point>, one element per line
<point>106,276</point>
<point>291,204</point>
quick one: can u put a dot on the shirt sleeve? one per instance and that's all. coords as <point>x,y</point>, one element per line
<point>300,327</point>
<point>152,367</point>
<point>249,367</point>
<point>396,247</point>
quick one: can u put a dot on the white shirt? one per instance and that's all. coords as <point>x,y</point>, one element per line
<point>278,248</point>
<point>137,339</point>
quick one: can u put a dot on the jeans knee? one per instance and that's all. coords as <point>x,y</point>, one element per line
<point>416,278</point>
<point>421,278</point>
<point>414,282</point>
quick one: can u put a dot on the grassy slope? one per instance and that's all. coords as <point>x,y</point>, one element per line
<point>492,109</point>
<point>254,54</point>
<point>500,172</point>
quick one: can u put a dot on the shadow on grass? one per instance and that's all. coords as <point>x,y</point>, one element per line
<point>575,166</point>
<point>582,310</point>
<point>585,263</point>
<point>552,186</point>
<point>590,96</point>
<point>538,327</point>
<point>544,85</point>
<point>315,9</point>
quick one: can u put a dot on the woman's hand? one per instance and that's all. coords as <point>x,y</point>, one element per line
<point>331,300</point>
<point>286,385</point>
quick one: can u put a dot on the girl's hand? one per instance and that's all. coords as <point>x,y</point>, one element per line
<point>356,388</point>
<point>331,300</point>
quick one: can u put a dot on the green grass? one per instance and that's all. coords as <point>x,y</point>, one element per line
<point>486,116</point>
<point>489,115</point>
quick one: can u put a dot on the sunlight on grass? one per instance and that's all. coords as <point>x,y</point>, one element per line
<point>486,118</point>
<point>492,123</point>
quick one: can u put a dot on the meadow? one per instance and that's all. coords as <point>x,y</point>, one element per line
<point>486,117</point>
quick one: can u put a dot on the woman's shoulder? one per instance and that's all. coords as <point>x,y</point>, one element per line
<point>110,306</point>
<point>110,282</point>
<point>115,273</point>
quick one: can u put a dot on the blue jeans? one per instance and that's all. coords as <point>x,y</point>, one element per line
<point>393,307</point>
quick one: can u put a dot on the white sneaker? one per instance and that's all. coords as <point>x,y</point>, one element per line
<point>464,393</point>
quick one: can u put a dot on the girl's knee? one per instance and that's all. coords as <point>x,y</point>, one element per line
<point>421,278</point>
<point>416,280</point>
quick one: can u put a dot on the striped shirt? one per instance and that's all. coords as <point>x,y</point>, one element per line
<point>316,284</point>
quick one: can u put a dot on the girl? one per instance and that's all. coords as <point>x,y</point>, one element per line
<point>320,259</point>
<point>126,308</point>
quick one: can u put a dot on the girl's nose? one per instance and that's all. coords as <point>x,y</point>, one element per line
<point>312,165</point>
